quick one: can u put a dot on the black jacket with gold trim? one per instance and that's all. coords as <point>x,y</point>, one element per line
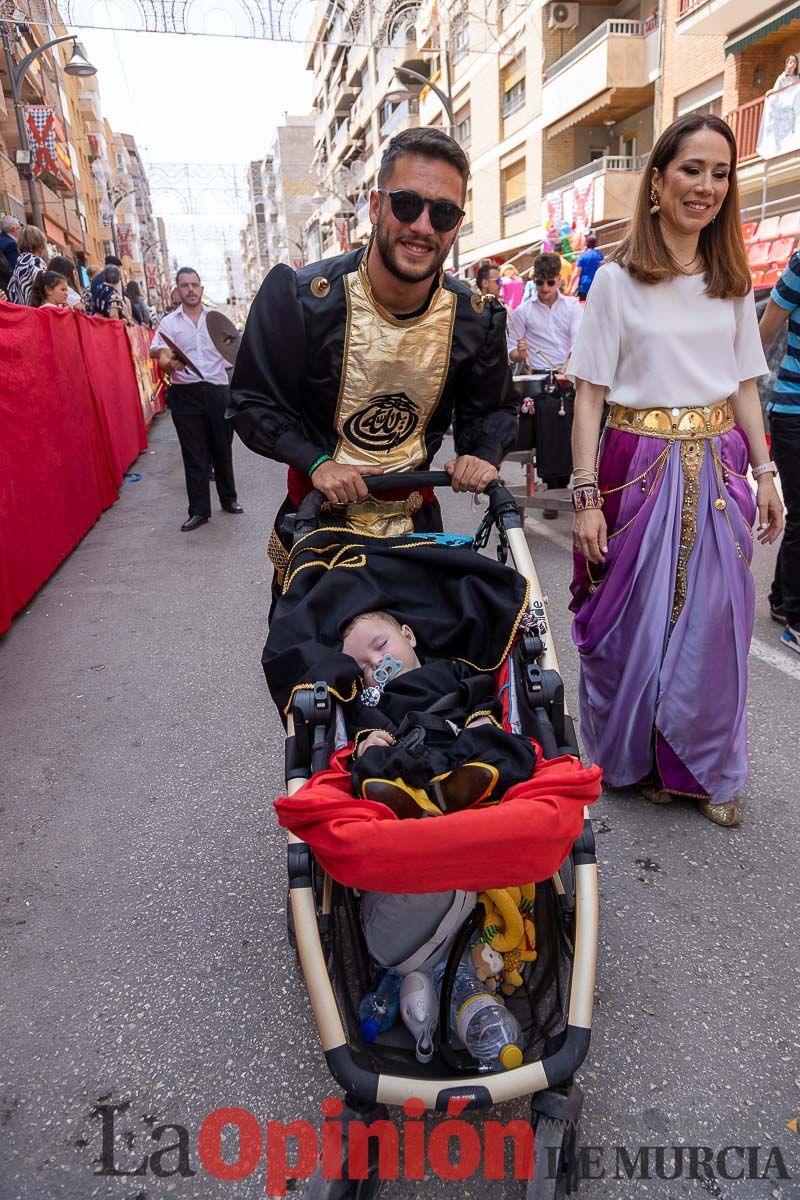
<point>323,369</point>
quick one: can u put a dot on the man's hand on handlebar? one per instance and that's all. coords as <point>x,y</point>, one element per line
<point>470,474</point>
<point>341,484</point>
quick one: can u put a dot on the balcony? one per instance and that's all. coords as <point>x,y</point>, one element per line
<point>616,178</point>
<point>89,103</point>
<point>608,70</point>
<point>720,16</point>
<point>745,121</point>
<point>344,100</point>
<point>405,53</point>
<point>405,116</point>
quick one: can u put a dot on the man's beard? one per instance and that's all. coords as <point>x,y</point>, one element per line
<point>386,251</point>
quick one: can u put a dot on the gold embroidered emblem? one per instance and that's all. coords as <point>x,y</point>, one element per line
<point>477,301</point>
<point>692,455</point>
<point>320,286</point>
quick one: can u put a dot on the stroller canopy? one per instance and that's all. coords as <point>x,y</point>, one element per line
<point>461,605</point>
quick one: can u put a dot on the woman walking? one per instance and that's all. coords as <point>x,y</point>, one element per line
<point>662,592</point>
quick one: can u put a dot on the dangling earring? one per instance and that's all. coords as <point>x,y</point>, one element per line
<point>655,206</point>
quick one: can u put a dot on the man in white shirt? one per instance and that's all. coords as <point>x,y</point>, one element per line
<point>541,332</point>
<point>197,401</point>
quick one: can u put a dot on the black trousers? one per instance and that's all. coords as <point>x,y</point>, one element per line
<point>198,410</point>
<point>785,430</point>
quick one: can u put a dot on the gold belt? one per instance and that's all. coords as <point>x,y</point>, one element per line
<point>679,424</point>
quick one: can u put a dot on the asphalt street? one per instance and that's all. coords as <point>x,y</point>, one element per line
<point>142,953</point>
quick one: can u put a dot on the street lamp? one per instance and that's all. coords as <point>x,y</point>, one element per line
<point>77,65</point>
<point>406,75</point>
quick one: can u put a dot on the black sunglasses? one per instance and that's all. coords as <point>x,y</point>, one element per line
<point>407,208</point>
<point>540,281</point>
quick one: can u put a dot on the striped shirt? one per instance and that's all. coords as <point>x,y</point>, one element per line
<point>786,294</point>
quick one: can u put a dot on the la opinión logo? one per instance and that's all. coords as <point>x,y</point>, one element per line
<point>453,1149</point>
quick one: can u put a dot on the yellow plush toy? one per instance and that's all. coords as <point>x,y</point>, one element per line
<point>508,928</point>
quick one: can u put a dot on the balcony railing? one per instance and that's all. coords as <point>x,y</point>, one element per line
<point>408,108</point>
<point>606,29</point>
<point>745,121</point>
<point>514,207</point>
<point>609,162</point>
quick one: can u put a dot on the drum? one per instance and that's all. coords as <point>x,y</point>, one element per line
<point>530,387</point>
<point>555,409</point>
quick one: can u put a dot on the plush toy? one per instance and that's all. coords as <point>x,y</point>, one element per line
<point>508,928</point>
<point>487,965</point>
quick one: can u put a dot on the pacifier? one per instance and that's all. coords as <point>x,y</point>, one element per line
<point>387,669</point>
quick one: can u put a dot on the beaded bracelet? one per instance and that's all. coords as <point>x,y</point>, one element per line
<point>323,458</point>
<point>584,498</point>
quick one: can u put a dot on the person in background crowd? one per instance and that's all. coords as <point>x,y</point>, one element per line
<point>586,267</point>
<point>662,590</point>
<point>32,246</point>
<point>784,421</point>
<point>139,310</point>
<point>107,300</point>
<point>543,330</point>
<point>9,233</point>
<point>198,404</point>
<point>487,280</point>
<point>100,278</point>
<point>511,286</point>
<point>66,267</point>
<point>49,290</point>
<point>788,75</point>
<point>542,333</point>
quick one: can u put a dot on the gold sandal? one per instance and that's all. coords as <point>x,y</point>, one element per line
<point>652,793</point>
<point>728,814</point>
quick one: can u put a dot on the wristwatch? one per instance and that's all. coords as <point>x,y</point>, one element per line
<point>762,470</point>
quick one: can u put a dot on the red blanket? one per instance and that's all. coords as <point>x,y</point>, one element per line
<point>364,845</point>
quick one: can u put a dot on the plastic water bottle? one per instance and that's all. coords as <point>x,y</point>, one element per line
<point>378,1011</point>
<point>484,1025</point>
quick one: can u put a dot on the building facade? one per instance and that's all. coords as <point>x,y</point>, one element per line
<point>86,166</point>
<point>557,104</point>
<point>281,187</point>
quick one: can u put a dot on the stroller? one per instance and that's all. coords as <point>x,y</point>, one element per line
<point>554,1005</point>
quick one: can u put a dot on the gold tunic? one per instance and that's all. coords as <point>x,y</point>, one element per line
<point>393,376</point>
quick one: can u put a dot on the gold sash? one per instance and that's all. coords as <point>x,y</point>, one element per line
<point>677,424</point>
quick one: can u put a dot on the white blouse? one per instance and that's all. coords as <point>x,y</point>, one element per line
<point>665,344</point>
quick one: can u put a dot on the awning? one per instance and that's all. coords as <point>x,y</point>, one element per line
<point>763,29</point>
<point>577,115</point>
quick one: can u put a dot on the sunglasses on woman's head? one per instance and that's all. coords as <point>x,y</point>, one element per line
<point>540,281</point>
<point>407,208</point>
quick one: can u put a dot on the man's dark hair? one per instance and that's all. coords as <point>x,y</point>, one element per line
<point>591,241</point>
<point>427,143</point>
<point>484,271</point>
<point>112,274</point>
<point>547,265</point>
<point>113,261</point>
<point>186,271</point>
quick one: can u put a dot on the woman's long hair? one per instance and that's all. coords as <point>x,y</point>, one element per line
<point>66,267</point>
<point>44,280</point>
<point>645,254</point>
<point>132,290</point>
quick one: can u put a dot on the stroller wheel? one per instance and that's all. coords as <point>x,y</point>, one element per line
<point>555,1152</point>
<point>319,1188</point>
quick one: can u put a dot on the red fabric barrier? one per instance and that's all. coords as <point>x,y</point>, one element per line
<point>152,390</point>
<point>65,438</point>
<point>364,845</point>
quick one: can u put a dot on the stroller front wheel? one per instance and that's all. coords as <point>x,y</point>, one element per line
<point>555,1158</point>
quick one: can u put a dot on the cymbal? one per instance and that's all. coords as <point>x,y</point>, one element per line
<point>223,334</point>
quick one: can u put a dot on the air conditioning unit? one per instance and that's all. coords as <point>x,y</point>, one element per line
<point>562,15</point>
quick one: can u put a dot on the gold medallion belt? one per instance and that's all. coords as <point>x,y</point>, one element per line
<point>693,428</point>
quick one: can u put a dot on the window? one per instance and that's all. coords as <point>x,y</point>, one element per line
<point>513,81</point>
<point>502,18</point>
<point>460,30</point>
<point>513,187</point>
<point>707,98</point>
<point>463,124</point>
<point>628,145</point>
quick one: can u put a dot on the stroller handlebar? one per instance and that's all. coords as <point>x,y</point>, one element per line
<point>310,507</point>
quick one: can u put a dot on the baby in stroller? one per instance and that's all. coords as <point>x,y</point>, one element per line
<point>428,737</point>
